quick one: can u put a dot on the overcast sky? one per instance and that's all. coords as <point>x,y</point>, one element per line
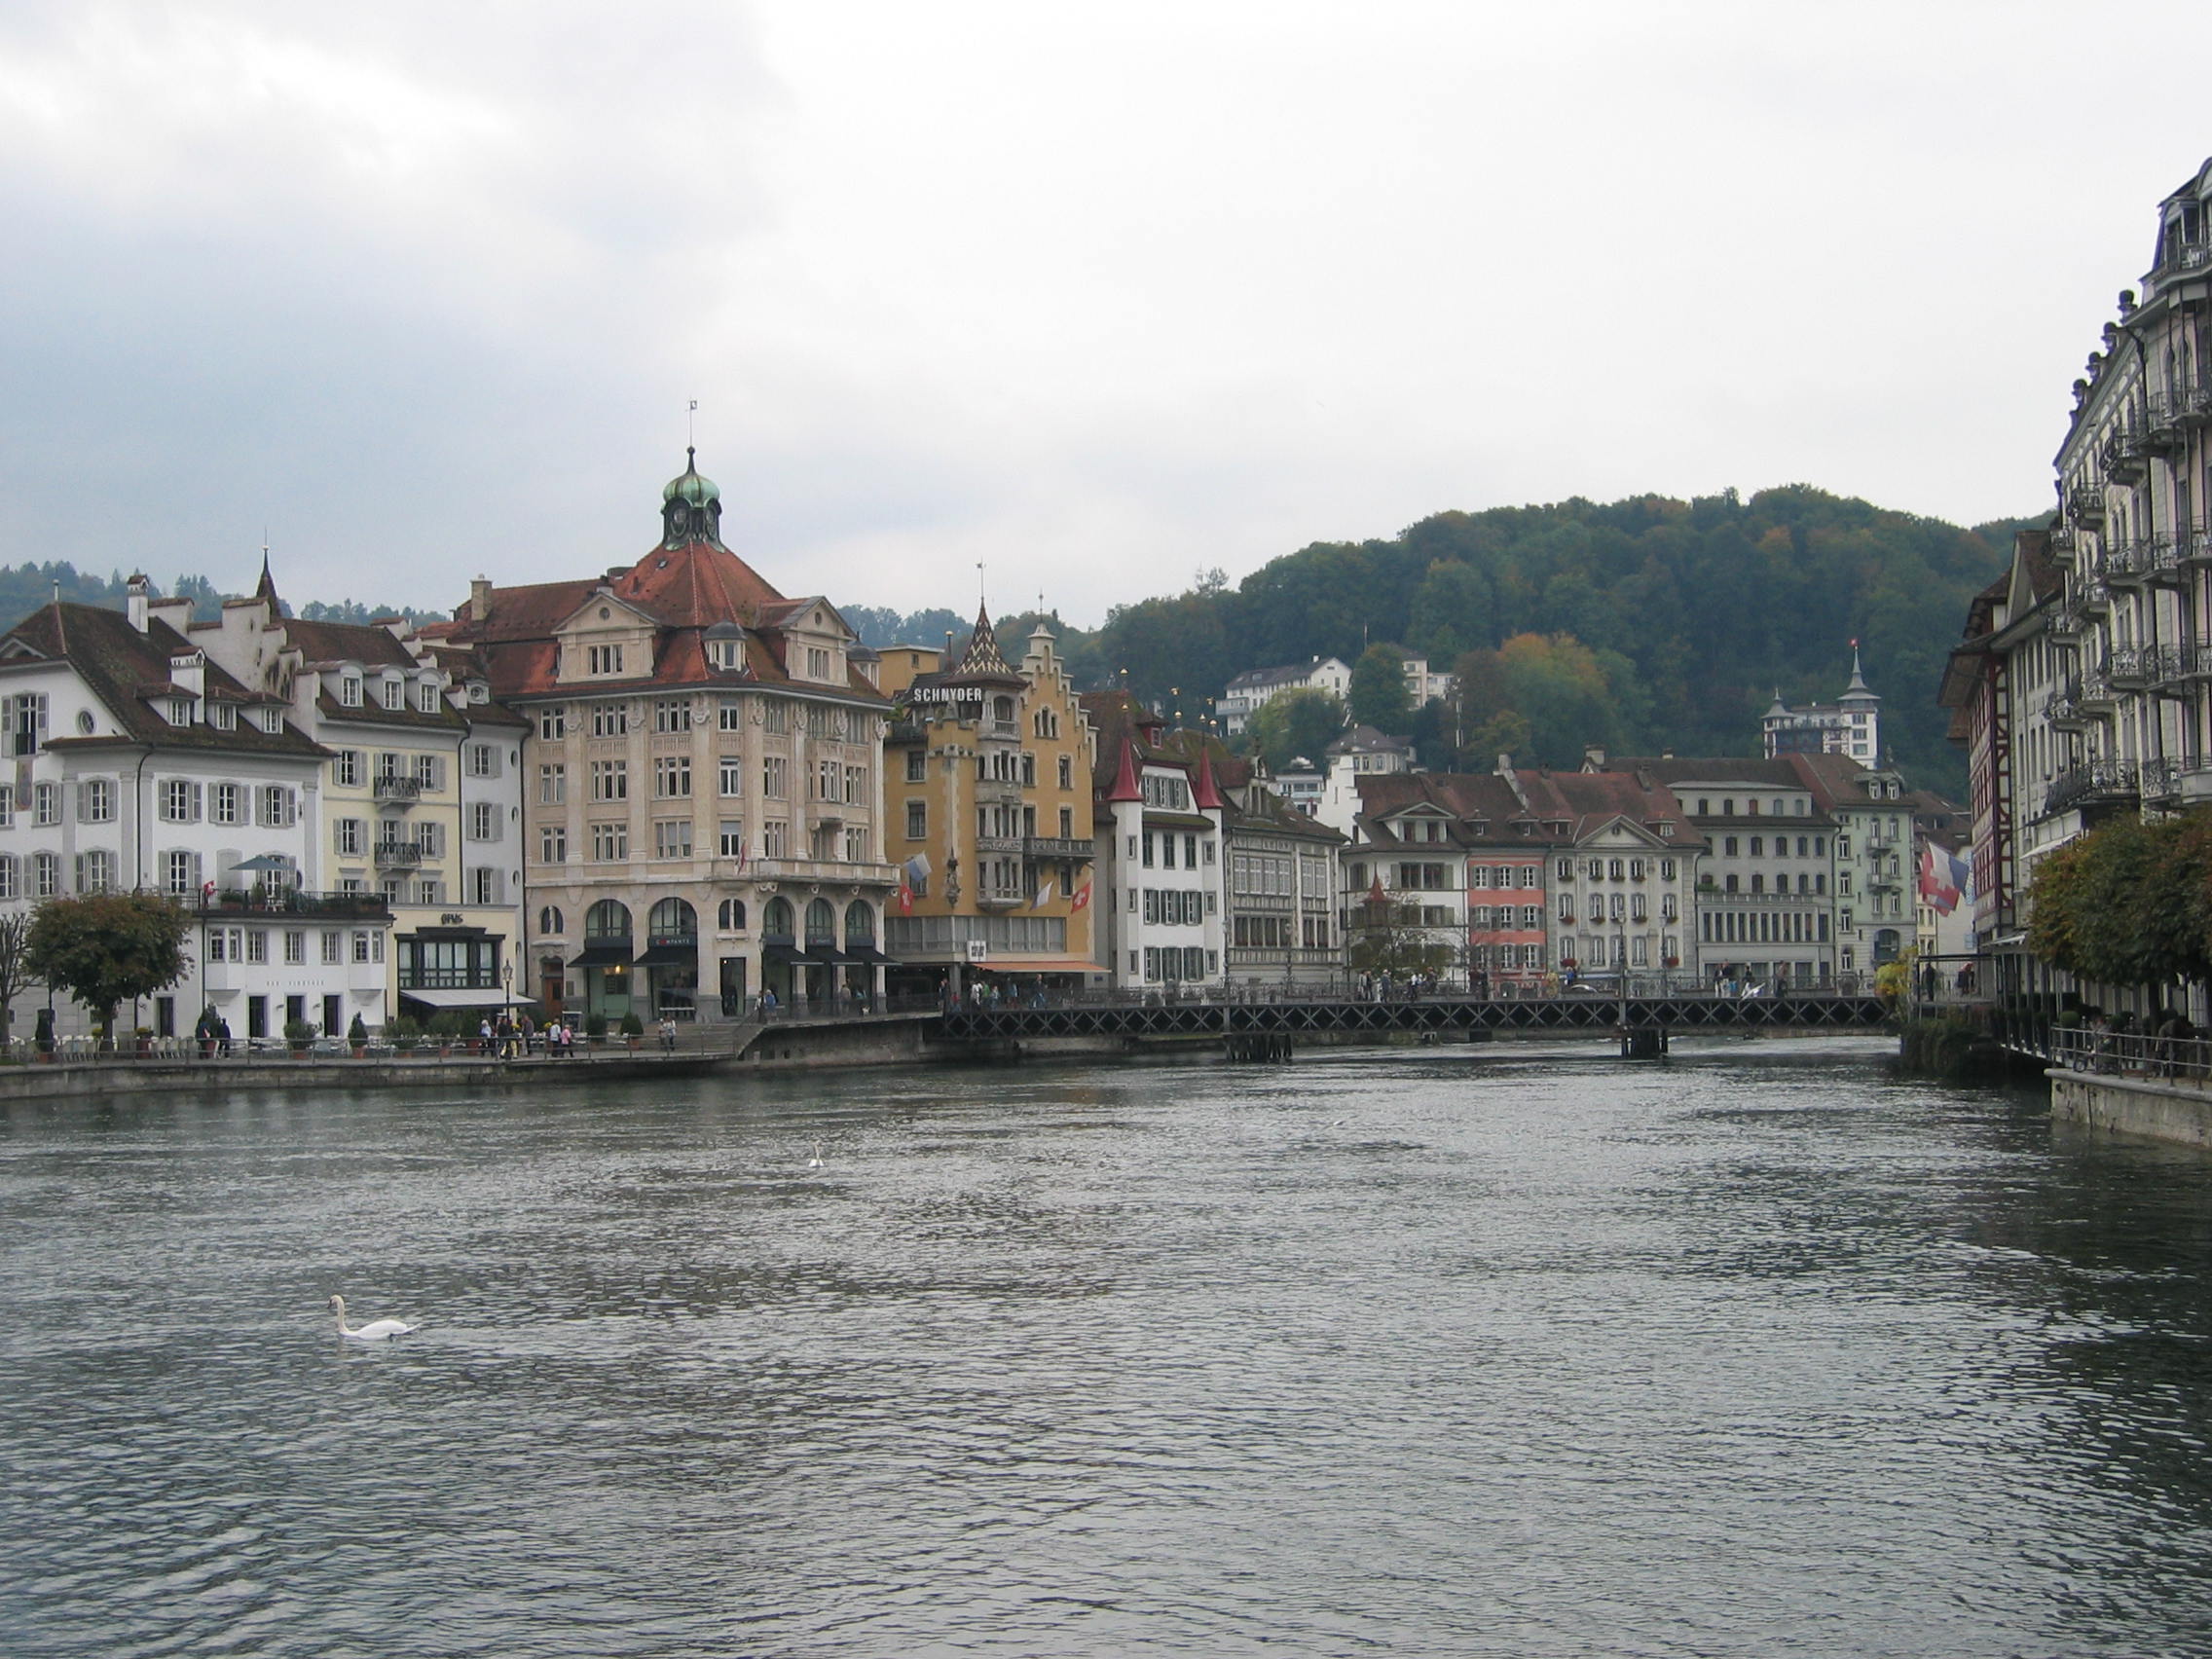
<point>1095,296</point>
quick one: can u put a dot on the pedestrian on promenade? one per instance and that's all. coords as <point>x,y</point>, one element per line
<point>667,1034</point>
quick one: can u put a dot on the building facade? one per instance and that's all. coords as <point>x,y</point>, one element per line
<point>701,820</point>
<point>421,800</point>
<point>139,764</point>
<point>1158,821</point>
<point>1248,693</point>
<point>988,780</point>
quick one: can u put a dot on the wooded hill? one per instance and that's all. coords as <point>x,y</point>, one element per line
<point>1641,624</point>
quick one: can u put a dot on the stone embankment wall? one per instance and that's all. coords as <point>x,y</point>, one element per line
<point>2133,1105</point>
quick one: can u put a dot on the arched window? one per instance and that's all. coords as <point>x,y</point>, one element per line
<point>860,923</point>
<point>608,919</point>
<point>550,920</point>
<point>821,922</point>
<point>776,920</point>
<point>673,918</point>
<point>732,915</point>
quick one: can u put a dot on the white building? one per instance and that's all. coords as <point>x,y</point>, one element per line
<point>1248,692</point>
<point>1157,819</point>
<point>1850,725</point>
<point>422,796</point>
<point>141,765</point>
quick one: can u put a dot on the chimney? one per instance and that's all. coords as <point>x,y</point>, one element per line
<point>139,591</point>
<point>480,600</point>
<point>1593,757</point>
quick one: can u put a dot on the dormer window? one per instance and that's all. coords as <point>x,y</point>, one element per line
<point>350,691</point>
<point>603,659</point>
<point>394,692</point>
<point>725,648</point>
<point>426,696</point>
<point>223,717</point>
<point>818,664</point>
<point>273,721</point>
<point>180,710</point>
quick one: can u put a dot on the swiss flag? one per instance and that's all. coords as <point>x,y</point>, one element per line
<point>906,898</point>
<point>1082,899</point>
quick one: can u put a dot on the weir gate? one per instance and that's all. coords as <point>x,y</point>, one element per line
<point>1270,1029</point>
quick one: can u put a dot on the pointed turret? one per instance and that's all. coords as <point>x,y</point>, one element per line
<point>983,655</point>
<point>1204,795</point>
<point>1125,785</point>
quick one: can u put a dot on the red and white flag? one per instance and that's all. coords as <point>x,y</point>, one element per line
<point>1082,899</point>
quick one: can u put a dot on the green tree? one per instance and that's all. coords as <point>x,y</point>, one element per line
<point>107,948</point>
<point>1377,693</point>
<point>1298,722</point>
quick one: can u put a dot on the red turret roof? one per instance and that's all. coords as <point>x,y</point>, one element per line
<point>1125,776</point>
<point>1204,795</point>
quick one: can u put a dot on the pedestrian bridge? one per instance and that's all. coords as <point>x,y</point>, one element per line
<point>1440,1016</point>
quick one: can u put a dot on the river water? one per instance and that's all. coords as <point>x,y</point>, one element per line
<point>1448,1351</point>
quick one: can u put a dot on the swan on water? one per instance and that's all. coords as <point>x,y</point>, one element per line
<point>375,1331</point>
<point>815,1162</point>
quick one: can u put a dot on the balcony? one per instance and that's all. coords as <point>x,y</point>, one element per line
<point>2095,598</point>
<point>998,791</point>
<point>2162,781</point>
<point>2095,693</point>
<point>2099,782</point>
<point>1000,898</point>
<point>2131,668</point>
<point>2086,503</point>
<point>997,844</point>
<point>820,871</point>
<point>2066,625</point>
<point>391,790</point>
<point>2139,561</point>
<point>397,855</point>
<point>1007,730</point>
<point>2065,543</point>
<point>336,907</point>
<point>2065,709</point>
<point>2124,453</point>
<point>2173,667</point>
<point>1054,847</point>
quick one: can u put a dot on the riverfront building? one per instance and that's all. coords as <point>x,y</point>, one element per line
<point>2082,685</point>
<point>421,799</point>
<point>1285,878</point>
<point>137,763</point>
<point>1158,820</point>
<point>988,774</point>
<point>701,818</point>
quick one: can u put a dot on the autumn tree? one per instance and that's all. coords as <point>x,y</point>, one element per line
<point>106,948</point>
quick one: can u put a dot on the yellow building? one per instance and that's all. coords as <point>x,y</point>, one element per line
<point>987,786</point>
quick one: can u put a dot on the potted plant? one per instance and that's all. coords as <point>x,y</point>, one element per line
<point>595,1030</point>
<point>402,1031</point>
<point>357,1038</point>
<point>143,1039</point>
<point>298,1034</point>
<point>633,1028</point>
<point>445,1028</point>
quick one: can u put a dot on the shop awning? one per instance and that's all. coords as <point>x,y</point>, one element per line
<point>790,954</point>
<point>602,954</point>
<point>491,998</point>
<point>671,956</point>
<point>822,951</point>
<point>868,954</point>
<point>1036,965</point>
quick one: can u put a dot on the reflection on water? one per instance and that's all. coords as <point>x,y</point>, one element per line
<point>1459,1353</point>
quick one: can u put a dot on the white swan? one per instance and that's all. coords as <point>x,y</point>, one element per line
<point>375,1331</point>
<point>815,1162</point>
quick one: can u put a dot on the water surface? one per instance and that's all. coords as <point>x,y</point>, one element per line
<point>1458,1351</point>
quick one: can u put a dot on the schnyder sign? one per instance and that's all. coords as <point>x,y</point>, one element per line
<point>942,696</point>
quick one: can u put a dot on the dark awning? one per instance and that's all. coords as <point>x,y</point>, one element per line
<point>668,955</point>
<point>869,954</point>
<point>602,954</point>
<point>790,954</point>
<point>825,952</point>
